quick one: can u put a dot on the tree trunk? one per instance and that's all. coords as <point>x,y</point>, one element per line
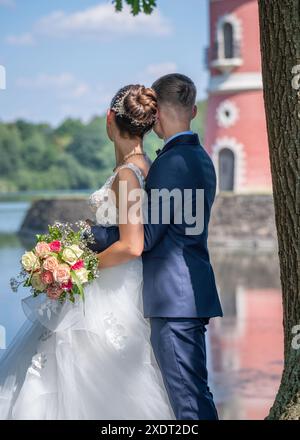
<point>280,46</point>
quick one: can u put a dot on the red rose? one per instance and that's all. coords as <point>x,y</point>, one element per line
<point>68,285</point>
<point>55,246</point>
<point>78,265</point>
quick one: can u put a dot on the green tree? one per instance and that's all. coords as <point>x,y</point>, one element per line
<point>10,150</point>
<point>35,152</point>
<point>72,175</point>
<point>27,129</point>
<point>137,6</point>
<point>86,145</point>
<point>69,127</point>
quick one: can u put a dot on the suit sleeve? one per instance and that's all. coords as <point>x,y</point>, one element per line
<point>104,237</point>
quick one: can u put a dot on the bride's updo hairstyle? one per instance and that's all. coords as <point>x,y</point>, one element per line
<point>135,108</point>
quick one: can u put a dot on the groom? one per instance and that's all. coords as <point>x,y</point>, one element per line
<point>179,291</point>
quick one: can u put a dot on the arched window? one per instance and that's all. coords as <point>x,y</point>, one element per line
<point>228,38</point>
<point>226,170</point>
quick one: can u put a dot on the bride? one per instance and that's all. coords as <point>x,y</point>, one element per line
<point>96,363</point>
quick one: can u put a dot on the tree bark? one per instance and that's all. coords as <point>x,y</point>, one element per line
<point>280,47</point>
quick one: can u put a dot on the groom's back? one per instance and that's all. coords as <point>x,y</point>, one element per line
<point>178,277</point>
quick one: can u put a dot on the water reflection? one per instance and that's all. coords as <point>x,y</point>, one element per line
<point>12,215</point>
<point>244,347</point>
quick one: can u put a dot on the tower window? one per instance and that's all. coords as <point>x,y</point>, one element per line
<point>226,51</point>
<point>226,170</point>
<point>228,40</point>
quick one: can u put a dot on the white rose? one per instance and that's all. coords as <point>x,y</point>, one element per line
<point>82,275</point>
<point>37,282</point>
<point>30,261</point>
<point>71,254</point>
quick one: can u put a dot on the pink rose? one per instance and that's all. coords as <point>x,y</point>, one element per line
<point>47,277</point>
<point>55,246</point>
<point>50,263</point>
<point>54,292</point>
<point>68,285</point>
<point>42,249</point>
<point>62,273</point>
<point>78,265</point>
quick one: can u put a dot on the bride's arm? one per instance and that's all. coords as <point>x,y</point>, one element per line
<point>131,239</point>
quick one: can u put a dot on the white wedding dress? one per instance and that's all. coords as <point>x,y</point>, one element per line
<point>86,361</point>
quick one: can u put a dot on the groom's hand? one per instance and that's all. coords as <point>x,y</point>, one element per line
<point>104,237</point>
<point>90,222</point>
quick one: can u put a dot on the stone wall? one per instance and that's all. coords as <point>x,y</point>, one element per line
<point>238,221</point>
<point>243,221</point>
<point>45,212</point>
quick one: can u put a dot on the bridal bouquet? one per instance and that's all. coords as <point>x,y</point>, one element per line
<point>60,264</point>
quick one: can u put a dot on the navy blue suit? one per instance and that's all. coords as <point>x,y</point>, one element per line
<point>179,291</point>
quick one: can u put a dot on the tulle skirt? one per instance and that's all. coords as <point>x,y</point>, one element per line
<point>90,360</point>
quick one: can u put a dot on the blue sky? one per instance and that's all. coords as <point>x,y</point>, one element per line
<point>68,57</point>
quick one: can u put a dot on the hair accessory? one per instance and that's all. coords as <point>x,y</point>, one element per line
<point>119,108</point>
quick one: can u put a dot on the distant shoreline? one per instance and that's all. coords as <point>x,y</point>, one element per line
<point>30,196</point>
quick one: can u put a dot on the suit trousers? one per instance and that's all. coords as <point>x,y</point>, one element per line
<point>179,348</point>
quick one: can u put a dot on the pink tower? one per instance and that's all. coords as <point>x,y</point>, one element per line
<point>236,133</point>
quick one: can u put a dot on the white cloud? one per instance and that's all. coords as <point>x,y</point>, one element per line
<point>102,21</point>
<point>8,3</point>
<point>81,89</point>
<point>160,69</point>
<point>26,39</point>
<point>44,80</point>
<point>64,84</point>
<point>95,102</point>
<point>97,22</point>
<point>154,71</point>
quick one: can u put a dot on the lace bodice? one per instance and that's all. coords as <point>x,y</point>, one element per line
<point>102,201</point>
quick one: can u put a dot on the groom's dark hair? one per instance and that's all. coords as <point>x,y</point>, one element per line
<point>175,89</point>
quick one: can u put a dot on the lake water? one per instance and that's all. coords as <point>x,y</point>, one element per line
<point>245,348</point>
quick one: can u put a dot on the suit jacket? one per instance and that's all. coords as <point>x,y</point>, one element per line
<point>178,278</point>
